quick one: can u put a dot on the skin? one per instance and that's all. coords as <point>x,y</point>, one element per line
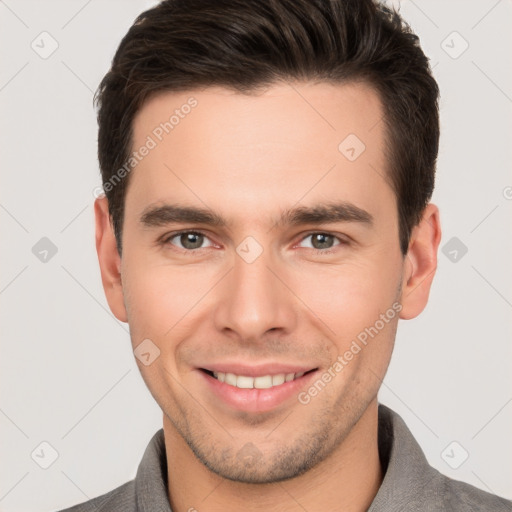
<point>248,158</point>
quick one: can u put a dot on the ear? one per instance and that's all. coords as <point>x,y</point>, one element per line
<point>109,259</point>
<point>420,263</point>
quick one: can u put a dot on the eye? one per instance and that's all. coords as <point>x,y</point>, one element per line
<point>187,240</point>
<point>323,241</point>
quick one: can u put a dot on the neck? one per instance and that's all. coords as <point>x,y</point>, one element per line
<point>347,480</point>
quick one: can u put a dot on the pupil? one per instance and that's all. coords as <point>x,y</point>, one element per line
<point>324,239</point>
<point>188,240</point>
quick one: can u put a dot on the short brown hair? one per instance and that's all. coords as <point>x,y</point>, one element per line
<point>244,45</point>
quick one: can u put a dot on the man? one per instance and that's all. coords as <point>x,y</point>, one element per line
<point>268,167</point>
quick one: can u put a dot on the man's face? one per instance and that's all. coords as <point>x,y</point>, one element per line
<point>263,296</point>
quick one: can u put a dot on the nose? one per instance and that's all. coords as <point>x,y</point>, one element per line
<point>254,300</point>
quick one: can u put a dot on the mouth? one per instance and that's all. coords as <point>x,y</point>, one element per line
<point>259,382</point>
<point>263,390</point>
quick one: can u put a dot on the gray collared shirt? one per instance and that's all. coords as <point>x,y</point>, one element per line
<point>410,483</point>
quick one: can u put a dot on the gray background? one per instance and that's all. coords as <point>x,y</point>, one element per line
<point>68,376</point>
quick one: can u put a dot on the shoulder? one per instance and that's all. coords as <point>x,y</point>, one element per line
<point>121,499</point>
<point>441,493</point>
<point>461,496</point>
<point>411,483</point>
<point>147,491</point>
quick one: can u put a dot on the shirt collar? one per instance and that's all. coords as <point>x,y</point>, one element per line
<point>405,465</point>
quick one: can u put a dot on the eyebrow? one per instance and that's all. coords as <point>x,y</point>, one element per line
<point>156,216</point>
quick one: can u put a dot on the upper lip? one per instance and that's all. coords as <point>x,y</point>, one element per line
<point>257,370</point>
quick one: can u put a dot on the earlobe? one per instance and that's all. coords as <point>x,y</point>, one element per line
<point>421,263</point>
<point>109,259</point>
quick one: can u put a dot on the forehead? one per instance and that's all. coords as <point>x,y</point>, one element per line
<point>291,142</point>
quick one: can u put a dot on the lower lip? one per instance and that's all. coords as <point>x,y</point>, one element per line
<point>256,400</point>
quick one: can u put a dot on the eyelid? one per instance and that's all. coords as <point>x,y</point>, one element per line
<point>165,239</point>
<point>342,239</point>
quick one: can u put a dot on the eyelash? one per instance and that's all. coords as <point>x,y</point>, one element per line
<point>167,238</point>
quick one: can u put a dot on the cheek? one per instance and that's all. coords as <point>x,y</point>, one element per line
<point>348,298</point>
<point>159,297</point>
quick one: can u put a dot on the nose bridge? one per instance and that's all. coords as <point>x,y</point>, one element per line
<point>253,299</point>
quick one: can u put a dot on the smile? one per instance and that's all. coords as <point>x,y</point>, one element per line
<point>264,390</point>
<point>262,382</point>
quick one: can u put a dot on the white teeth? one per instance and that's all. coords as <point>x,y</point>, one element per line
<point>230,379</point>
<point>244,382</point>
<point>278,379</point>
<point>263,382</point>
